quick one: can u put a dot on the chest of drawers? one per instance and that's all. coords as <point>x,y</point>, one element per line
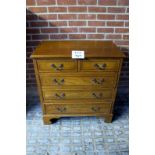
<point>77,87</point>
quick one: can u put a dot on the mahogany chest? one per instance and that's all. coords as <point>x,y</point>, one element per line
<point>77,87</point>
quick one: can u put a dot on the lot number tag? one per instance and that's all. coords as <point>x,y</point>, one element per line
<point>78,54</point>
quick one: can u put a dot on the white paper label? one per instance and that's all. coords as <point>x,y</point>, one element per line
<point>78,55</point>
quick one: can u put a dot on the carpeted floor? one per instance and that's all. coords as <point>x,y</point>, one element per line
<point>78,135</point>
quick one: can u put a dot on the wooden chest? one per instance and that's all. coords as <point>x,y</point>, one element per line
<point>77,87</point>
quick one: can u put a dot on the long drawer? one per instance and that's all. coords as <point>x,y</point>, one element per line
<point>68,80</point>
<point>77,108</point>
<point>50,94</point>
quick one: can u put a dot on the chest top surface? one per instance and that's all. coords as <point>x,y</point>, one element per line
<point>63,49</point>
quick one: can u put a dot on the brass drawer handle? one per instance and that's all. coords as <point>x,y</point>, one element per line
<point>96,109</point>
<point>59,67</point>
<point>62,109</point>
<point>99,96</point>
<point>62,96</point>
<point>101,67</point>
<point>60,82</point>
<point>98,81</point>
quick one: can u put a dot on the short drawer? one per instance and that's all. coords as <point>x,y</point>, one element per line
<point>50,94</point>
<point>77,108</point>
<point>56,65</point>
<point>103,81</point>
<point>99,65</point>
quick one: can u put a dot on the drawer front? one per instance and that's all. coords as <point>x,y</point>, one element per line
<point>77,94</point>
<point>103,81</point>
<point>77,109</point>
<point>56,65</point>
<point>99,65</point>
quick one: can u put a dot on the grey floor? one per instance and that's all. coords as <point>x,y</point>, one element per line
<point>78,135</point>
